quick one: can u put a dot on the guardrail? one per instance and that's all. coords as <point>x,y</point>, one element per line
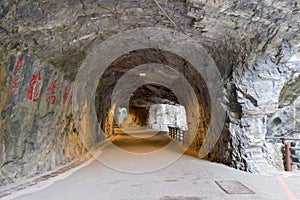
<point>177,134</point>
<point>289,151</point>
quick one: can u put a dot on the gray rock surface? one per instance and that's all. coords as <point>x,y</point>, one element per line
<point>163,115</point>
<point>37,128</point>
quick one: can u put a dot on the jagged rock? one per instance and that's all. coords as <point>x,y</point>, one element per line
<point>163,115</point>
<point>37,131</point>
<point>290,91</point>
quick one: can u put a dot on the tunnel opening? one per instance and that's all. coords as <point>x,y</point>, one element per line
<point>142,101</point>
<point>163,116</point>
<point>153,74</point>
<point>126,61</point>
<point>142,125</point>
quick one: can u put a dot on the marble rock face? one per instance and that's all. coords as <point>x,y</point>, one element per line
<point>163,115</point>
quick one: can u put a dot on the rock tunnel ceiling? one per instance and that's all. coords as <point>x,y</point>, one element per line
<point>144,42</point>
<point>150,94</point>
<point>141,57</point>
<point>250,41</point>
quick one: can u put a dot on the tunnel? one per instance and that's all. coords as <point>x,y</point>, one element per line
<point>157,74</point>
<point>77,75</point>
<point>182,81</point>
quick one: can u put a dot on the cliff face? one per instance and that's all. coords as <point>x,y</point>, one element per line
<point>43,44</point>
<point>37,128</point>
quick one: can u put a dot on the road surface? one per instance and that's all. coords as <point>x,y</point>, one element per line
<point>167,174</point>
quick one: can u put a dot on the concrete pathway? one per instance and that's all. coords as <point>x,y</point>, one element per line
<point>157,177</point>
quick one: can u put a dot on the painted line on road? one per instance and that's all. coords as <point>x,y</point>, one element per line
<point>286,188</point>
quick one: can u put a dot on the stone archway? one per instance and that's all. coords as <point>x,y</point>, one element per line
<point>108,51</point>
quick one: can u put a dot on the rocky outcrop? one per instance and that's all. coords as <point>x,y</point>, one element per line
<point>285,120</point>
<point>137,118</point>
<point>256,38</point>
<point>37,128</point>
<point>163,115</point>
<point>291,90</point>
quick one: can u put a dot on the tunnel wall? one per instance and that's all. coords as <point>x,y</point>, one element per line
<point>190,81</point>
<point>258,49</point>
<point>257,91</point>
<point>139,115</point>
<point>37,128</point>
<point>163,115</point>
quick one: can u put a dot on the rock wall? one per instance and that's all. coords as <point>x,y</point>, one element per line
<point>37,129</point>
<point>163,115</point>
<point>120,115</point>
<point>261,44</point>
<point>138,117</point>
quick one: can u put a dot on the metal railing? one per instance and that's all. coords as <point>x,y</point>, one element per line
<point>177,134</point>
<point>289,151</point>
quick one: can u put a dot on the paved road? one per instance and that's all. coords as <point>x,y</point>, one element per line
<point>157,177</point>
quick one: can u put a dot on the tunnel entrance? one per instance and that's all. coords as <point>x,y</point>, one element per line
<point>149,58</point>
<point>144,77</point>
<point>151,106</point>
<point>141,126</point>
<point>161,116</point>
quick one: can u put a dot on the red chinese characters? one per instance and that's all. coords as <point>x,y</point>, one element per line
<point>19,65</point>
<point>50,95</point>
<point>65,95</point>
<point>33,89</point>
<point>15,81</point>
